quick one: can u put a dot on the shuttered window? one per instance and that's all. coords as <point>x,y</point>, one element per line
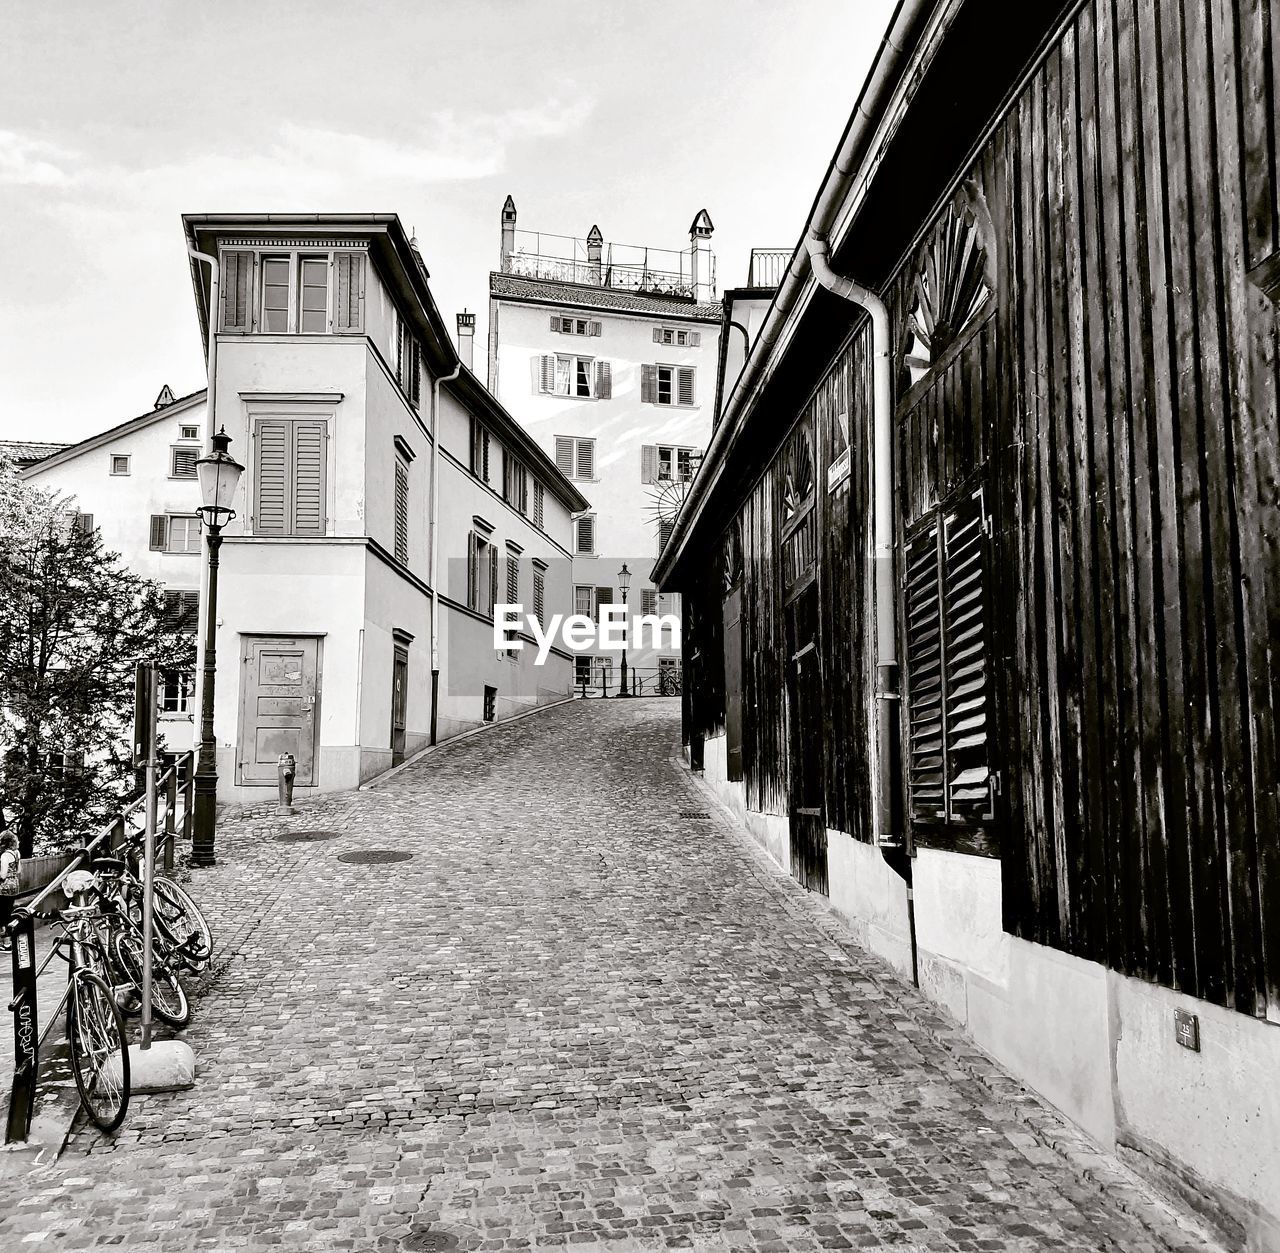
<point>159,532</point>
<point>237,291</point>
<point>663,463</point>
<point>515,483</point>
<point>648,601</point>
<point>949,772</point>
<point>402,512</point>
<point>585,534</point>
<point>482,573</point>
<point>182,610</point>
<point>348,292</point>
<point>408,362</point>
<point>567,376</point>
<point>682,339</point>
<point>183,462</point>
<point>576,458</point>
<point>667,385</point>
<point>479,450</point>
<point>290,475</point>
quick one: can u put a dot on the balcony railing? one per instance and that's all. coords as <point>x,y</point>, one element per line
<point>767,267</point>
<point>623,267</point>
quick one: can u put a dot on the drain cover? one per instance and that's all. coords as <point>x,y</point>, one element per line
<point>428,1240</point>
<point>697,814</point>
<point>303,837</point>
<point>375,857</point>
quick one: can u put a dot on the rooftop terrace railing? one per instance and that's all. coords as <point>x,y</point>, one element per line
<point>768,266</point>
<point>621,267</point>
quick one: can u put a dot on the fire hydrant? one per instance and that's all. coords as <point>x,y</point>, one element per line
<point>286,768</point>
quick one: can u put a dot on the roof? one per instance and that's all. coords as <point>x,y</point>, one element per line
<point>604,299</point>
<point>26,452</point>
<point>66,452</point>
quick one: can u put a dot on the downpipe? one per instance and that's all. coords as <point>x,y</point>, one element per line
<point>433,564</point>
<point>891,834</point>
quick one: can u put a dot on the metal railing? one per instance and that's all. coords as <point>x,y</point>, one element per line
<point>622,267</point>
<point>641,681</point>
<point>176,788</point>
<point>767,267</point>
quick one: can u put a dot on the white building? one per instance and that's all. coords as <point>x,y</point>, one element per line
<point>608,355</point>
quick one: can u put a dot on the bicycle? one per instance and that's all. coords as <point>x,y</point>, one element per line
<point>95,1024</point>
<point>178,918</point>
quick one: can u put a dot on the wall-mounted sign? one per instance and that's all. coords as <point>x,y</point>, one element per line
<point>838,470</point>
<point>1186,1029</point>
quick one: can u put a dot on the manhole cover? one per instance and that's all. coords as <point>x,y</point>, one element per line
<point>375,857</point>
<point>428,1240</point>
<point>697,815</point>
<point>303,837</point>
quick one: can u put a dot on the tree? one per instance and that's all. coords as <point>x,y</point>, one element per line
<point>74,622</point>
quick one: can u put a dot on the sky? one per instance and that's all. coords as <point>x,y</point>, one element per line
<point>117,117</point>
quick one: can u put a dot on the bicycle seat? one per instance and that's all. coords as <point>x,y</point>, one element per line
<point>80,881</point>
<point>110,864</point>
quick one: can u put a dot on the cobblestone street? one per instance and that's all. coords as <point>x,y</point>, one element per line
<point>576,1016</point>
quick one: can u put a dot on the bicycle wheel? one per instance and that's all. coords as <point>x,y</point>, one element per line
<point>184,926</point>
<point>99,1050</point>
<point>169,1000</point>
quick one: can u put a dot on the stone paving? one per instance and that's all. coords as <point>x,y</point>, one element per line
<point>574,1018</point>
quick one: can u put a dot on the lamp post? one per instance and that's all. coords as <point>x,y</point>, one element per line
<point>219,475</point>
<point>624,583</point>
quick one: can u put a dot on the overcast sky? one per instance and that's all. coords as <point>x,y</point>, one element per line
<point>117,117</point>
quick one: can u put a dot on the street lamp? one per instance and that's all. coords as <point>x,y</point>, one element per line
<point>624,582</point>
<point>219,474</point>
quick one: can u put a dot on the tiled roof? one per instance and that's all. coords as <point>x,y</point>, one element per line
<point>581,296</point>
<point>26,452</point>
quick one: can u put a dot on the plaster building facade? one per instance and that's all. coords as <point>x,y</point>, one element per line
<point>606,355</point>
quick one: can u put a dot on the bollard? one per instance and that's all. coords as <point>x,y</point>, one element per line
<point>286,768</point>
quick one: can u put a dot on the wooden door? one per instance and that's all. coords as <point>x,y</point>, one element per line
<point>805,731</point>
<point>733,683</point>
<point>278,701</point>
<point>399,692</point>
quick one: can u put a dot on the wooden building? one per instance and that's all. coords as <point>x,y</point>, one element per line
<point>981,571</point>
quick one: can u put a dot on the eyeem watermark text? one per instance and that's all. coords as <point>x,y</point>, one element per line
<point>579,633</point>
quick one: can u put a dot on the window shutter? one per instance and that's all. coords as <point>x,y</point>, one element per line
<point>539,595</point>
<point>684,385</point>
<point>493,578</point>
<point>649,384</point>
<point>237,291</point>
<point>547,372</point>
<point>596,328</point>
<point>555,323</point>
<point>586,527</point>
<point>657,334</point>
<point>564,456</point>
<point>506,477</point>
<point>473,567</point>
<point>695,339</point>
<point>172,609</point>
<point>348,294</point>
<point>925,740</point>
<point>184,463</point>
<point>308,478</point>
<point>648,463</point>
<point>159,532</point>
<point>648,601</point>
<point>586,458</point>
<point>538,505</point>
<point>604,380</point>
<point>665,527</point>
<point>191,611</point>
<point>85,523</point>
<point>604,596</point>
<point>271,478</point>
<point>513,579</point>
<point>402,512</point>
<point>484,454</point>
<point>965,657</point>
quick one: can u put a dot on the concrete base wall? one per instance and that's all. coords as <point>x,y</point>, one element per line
<point>1097,1044</point>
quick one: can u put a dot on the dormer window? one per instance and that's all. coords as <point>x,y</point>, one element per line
<point>281,293</point>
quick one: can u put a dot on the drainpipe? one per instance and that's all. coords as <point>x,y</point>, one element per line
<point>890,832</point>
<point>434,563</point>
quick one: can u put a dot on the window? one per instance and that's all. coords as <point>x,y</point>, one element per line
<point>188,432</point>
<point>581,670</point>
<point>648,601</point>
<point>182,611</point>
<point>311,293</point>
<point>584,535</point>
<point>515,483</point>
<point>482,573</point>
<point>584,600</point>
<point>539,595</point>
<point>681,339</point>
<point>66,765</point>
<point>539,505</point>
<point>583,377</point>
<point>949,763</point>
<point>290,475</point>
<point>184,534</point>
<point>667,385</point>
<point>408,362</point>
<point>576,458</point>
<point>574,326</point>
<point>176,688</point>
<point>120,463</point>
<point>662,463</point>
<point>402,512</point>
<point>490,703</point>
<point>479,451</point>
<point>182,463</point>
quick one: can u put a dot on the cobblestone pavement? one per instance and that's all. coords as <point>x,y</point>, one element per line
<point>574,1018</point>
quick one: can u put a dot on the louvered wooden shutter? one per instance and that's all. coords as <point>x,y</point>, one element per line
<point>596,328</point>
<point>539,595</point>
<point>586,458</point>
<point>965,652</point>
<point>586,534</point>
<point>564,456</point>
<point>547,372</point>
<point>85,522</point>
<point>513,579</point>
<point>506,477</point>
<point>648,463</point>
<point>237,291</point>
<point>657,334</point>
<point>402,512</point>
<point>648,601</point>
<point>925,738</point>
<point>684,385</point>
<point>271,477</point>
<point>159,532</point>
<point>172,609</point>
<point>604,596</point>
<point>695,339</point>
<point>493,578</point>
<point>555,323</point>
<point>309,478</point>
<point>538,505</point>
<point>184,463</point>
<point>473,568</point>
<point>475,446</point>
<point>191,611</point>
<point>649,384</point>
<point>348,293</point>
<point>604,380</point>
<point>665,526</point>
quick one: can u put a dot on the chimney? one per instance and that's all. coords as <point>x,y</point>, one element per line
<point>466,337</point>
<point>595,244</point>
<point>508,230</point>
<point>702,259</point>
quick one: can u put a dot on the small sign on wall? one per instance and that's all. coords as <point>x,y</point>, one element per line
<point>838,471</point>
<point>1186,1029</point>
